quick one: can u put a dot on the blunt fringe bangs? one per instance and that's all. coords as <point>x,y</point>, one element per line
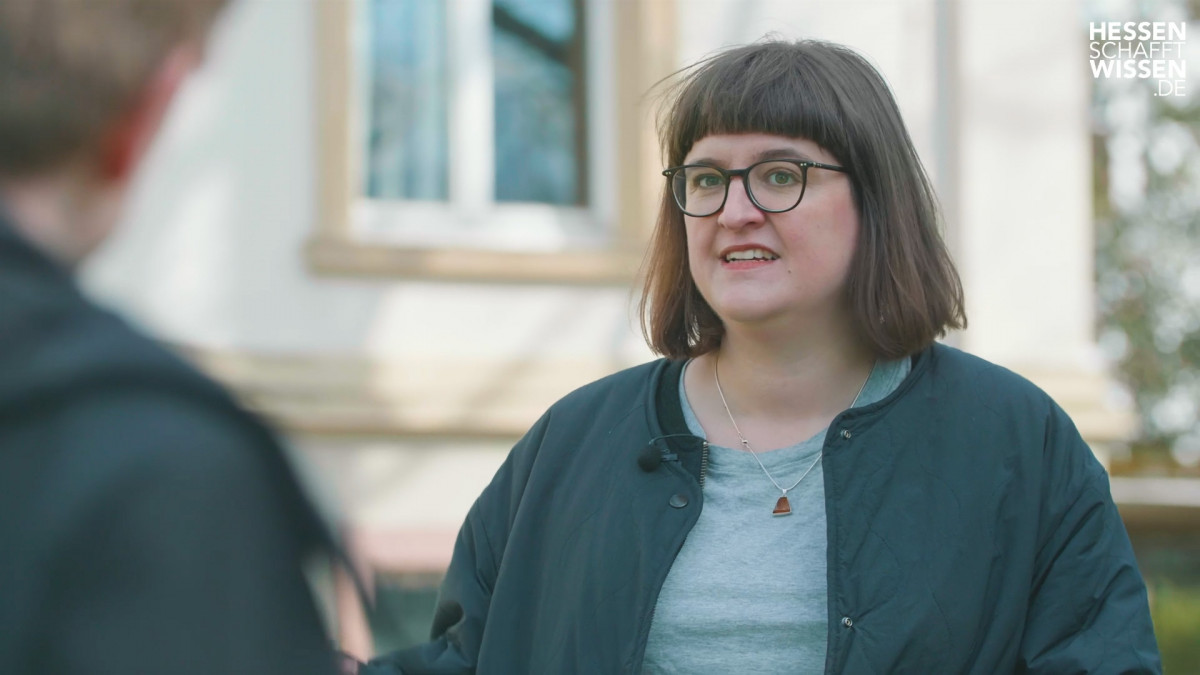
<point>903,289</point>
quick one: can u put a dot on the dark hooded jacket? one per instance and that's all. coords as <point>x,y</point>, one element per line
<point>147,524</point>
<point>970,530</point>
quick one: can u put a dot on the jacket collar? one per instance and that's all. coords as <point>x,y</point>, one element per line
<point>666,410</point>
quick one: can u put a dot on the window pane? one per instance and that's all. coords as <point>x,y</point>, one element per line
<point>540,139</point>
<point>407,140</point>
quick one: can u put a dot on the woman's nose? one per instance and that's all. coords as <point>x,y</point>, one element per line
<point>738,211</point>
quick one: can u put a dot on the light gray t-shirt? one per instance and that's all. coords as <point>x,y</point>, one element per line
<point>747,591</point>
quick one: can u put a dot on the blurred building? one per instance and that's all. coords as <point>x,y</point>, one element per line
<point>403,228</point>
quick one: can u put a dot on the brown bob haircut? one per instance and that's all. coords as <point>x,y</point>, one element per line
<point>903,288</point>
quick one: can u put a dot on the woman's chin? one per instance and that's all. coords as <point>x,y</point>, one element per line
<point>763,313</point>
<point>749,313</point>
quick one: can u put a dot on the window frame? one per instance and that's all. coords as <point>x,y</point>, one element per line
<point>484,239</point>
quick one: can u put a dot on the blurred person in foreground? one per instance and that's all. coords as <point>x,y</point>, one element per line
<point>147,524</point>
<point>808,482</point>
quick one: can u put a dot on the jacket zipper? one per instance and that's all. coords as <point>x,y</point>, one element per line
<point>653,609</point>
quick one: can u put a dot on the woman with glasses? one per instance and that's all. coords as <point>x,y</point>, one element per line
<point>807,482</point>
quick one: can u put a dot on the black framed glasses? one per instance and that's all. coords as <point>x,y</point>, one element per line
<point>773,185</point>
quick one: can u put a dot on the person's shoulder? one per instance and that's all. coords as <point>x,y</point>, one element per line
<point>1003,410</point>
<point>138,462</point>
<point>112,444</point>
<point>583,423</point>
<point>69,351</point>
<point>114,410</point>
<point>956,371</point>
<point>169,424</point>
<point>630,387</point>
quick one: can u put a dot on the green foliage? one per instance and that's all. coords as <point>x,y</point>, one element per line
<point>1147,197</point>
<point>1176,612</point>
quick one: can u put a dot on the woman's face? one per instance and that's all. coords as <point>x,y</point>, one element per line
<point>801,258</point>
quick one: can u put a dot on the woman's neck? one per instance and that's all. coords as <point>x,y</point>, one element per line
<point>797,379</point>
<point>779,391</point>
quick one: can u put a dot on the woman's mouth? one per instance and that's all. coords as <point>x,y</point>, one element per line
<point>747,258</point>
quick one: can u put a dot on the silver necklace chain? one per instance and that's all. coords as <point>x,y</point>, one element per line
<point>746,443</point>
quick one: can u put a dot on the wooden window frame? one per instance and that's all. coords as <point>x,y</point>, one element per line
<point>620,133</point>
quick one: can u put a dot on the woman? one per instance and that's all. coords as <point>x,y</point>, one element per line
<point>872,501</point>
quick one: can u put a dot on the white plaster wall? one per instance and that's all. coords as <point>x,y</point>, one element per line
<point>1026,241</point>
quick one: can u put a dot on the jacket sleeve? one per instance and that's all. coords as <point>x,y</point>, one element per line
<point>1088,611</point>
<point>465,596</point>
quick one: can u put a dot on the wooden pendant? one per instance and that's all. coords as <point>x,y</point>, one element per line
<point>782,507</point>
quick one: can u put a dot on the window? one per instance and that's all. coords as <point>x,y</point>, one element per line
<point>469,138</point>
<point>404,63</point>
<point>540,76</point>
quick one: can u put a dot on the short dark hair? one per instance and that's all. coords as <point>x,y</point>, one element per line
<point>69,67</point>
<point>903,288</point>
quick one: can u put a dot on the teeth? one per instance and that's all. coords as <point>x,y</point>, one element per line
<point>751,254</point>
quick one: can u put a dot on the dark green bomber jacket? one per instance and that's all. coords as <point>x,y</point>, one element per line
<point>970,530</point>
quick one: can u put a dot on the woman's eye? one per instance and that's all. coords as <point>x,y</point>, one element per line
<point>708,180</point>
<point>781,178</point>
